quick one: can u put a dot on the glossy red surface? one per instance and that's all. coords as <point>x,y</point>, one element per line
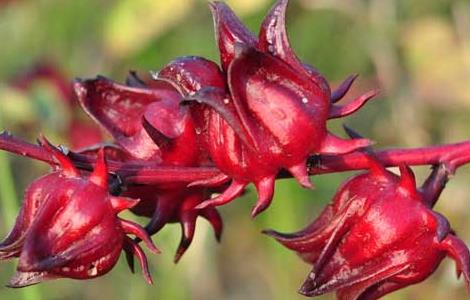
<point>256,123</point>
<point>148,121</point>
<point>379,234</point>
<point>197,129</point>
<point>73,231</point>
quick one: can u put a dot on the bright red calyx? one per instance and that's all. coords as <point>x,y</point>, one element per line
<point>195,129</point>
<point>72,231</point>
<point>123,110</point>
<point>266,111</point>
<point>378,235</point>
<point>149,122</point>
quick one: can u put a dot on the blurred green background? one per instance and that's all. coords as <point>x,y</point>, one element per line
<point>416,51</point>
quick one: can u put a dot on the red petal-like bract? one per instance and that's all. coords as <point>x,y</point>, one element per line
<point>72,231</point>
<point>229,31</point>
<point>378,235</point>
<point>120,109</point>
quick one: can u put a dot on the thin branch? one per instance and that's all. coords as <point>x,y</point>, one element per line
<point>145,172</point>
<point>130,172</point>
<point>457,154</point>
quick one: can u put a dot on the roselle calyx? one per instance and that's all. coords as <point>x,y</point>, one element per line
<point>265,110</point>
<point>120,109</point>
<point>378,235</point>
<point>68,226</point>
<point>149,124</point>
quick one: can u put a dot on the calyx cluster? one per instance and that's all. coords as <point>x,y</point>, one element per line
<point>193,136</point>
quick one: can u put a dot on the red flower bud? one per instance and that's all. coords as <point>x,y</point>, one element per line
<point>378,235</point>
<point>68,226</point>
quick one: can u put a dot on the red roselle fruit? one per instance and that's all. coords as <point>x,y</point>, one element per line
<point>68,226</point>
<point>378,235</point>
<point>265,111</point>
<point>148,122</point>
<point>196,127</point>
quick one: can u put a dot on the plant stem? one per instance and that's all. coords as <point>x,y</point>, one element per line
<point>146,172</point>
<point>457,154</point>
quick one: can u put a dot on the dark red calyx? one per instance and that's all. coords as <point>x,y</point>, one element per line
<point>378,235</point>
<point>278,117</point>
<point>276,109</point>
<point>68,226</point>
<point>229,30</point>
<point>128,111</point>
<point>273,40</point>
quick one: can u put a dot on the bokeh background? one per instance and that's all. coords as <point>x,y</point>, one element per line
<point>416,51</point>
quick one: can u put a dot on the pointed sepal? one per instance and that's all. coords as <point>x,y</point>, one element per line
<point>188,227</point>
<point>335,145</point>
<point>343,88</point>
<point>139,253</point>
<point>407,182</point>
<point>214,218</point>
<point>339,111</point>
<point>231,193</point>
<point>229,30</point>
<point>300,173</point>
<point>99,176</point>
<point>265,188</point>
<point>66,165</point>
<point>122,203</point>
<point>135,229</point>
